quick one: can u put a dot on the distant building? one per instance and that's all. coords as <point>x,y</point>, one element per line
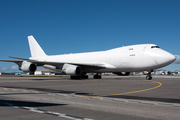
<point>42,72</point>
<point>47,72</point>
<point>2,73</point>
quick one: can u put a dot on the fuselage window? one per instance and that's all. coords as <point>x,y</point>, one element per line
<point>155,47</point>
<point>130,48</point>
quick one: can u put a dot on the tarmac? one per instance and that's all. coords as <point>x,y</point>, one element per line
<point>109,98</point>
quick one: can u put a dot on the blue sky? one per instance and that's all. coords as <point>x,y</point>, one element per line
<point>72,26</point>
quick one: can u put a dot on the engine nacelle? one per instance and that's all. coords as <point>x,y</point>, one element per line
<point>28,67</point>
<point>72,70</point>
<point>122,73</point>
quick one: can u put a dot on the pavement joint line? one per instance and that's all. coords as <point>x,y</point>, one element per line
<point>32,109</point>
<point>142,102</point>
<point>79,85</point>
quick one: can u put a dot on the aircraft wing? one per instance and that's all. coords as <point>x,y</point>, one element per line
<point>10,60</point>
<point>18,62</point>
<point>53,63</point>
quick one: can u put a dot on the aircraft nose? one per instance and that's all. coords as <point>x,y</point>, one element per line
<point>172,58</point>
<point>165,58</point>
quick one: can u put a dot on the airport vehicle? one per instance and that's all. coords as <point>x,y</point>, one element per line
<point>121,61</point>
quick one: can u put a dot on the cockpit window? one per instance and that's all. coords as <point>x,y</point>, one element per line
<point>155,47</point>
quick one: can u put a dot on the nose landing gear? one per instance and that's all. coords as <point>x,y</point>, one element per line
<point>149,76</point>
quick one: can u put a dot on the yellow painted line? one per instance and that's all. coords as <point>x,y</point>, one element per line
<point>160,84</point>
<point>138,90</point>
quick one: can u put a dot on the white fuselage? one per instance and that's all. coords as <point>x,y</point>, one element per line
<point>124,59</point>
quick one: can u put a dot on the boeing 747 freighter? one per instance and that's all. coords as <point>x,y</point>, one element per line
<point>121,61</point>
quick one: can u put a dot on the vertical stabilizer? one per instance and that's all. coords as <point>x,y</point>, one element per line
<point>35,48</point>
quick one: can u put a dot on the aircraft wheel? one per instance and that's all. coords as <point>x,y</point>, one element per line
<point>79,77</point>
<point>148,77</point>
<point>85,77</point>
<point>97,77</point>
<point>76,77</point>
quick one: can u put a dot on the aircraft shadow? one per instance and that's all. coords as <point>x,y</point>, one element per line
<point>27,103</point>
<point>19,93</point>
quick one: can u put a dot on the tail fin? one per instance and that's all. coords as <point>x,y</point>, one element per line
<point>35,48</point>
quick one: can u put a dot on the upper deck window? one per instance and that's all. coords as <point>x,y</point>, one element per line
<point>155,47</point>
<point>130,48</point>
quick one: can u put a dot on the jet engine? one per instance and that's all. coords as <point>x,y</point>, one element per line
<point>72,70</point>
<point>122,73</point>
<point>28,67</point>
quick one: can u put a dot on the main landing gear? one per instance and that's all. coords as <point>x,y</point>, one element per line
<point>79,77</point>
<point>149,76</point>
<point>84,76</point>
<point>97,76</point>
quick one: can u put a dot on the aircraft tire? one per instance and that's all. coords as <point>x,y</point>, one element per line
<point>79,77</point>
<point>148,77</point>
<point>75,77</point>
<point>97,77</point>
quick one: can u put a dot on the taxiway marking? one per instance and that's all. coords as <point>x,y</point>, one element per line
<point>160,84</point>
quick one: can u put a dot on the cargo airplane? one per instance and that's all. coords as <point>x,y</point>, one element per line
<point>121,61</point>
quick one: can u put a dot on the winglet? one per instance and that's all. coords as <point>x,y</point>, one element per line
<point>35,48</point>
